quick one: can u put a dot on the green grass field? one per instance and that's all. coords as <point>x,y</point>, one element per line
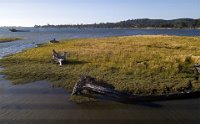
<point>135,64</point>
<point>3,40</point>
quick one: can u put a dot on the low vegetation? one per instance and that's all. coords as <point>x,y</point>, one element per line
<point>3,40</point>
<point>137,23</point>
<point>135,64</point>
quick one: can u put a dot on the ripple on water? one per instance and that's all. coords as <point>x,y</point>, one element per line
<point>15,49</point>
<point>39,103</point>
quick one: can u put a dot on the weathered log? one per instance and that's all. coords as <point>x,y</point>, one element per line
<point>94,85</point>
<point>59,57</point>
<point>197,68</point>
<point>98,86</point>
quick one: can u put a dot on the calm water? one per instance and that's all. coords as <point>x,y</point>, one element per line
<point>39,103</point>
<point>41,35</point>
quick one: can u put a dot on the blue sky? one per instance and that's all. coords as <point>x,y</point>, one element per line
<point>30,12</point>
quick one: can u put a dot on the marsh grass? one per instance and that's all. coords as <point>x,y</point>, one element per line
<point>3,40</point>
<point>135,64</point>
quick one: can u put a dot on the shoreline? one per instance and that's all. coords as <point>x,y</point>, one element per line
<point>122,28</point>
<point>44,46</point>
<point>125,99</point>
<point>5,40</point>
<point>35,102</point>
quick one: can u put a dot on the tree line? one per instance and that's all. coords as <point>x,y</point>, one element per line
<point>136,23</point>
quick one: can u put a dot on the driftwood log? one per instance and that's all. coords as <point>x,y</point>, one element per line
<point>97,86</point>
<point>59,57</point>
<point>197,70</point>
<point>100,87</point>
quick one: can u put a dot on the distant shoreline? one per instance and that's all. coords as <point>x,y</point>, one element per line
<point>107,28</point>
<point>4,40</point>
<point>180,23</point>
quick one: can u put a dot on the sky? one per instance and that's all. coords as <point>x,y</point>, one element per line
<point>41,12</point>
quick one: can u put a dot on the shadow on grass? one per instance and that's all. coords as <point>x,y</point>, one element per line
<point>74,62</point>
<point>20,60</point>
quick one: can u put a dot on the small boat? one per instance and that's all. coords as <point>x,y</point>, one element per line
<point>15,30</point>
<point>54,41</point>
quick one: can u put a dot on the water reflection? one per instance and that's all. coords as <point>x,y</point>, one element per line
<point>39,103</point>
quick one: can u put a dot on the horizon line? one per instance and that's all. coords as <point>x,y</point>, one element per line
<point>99,22</point>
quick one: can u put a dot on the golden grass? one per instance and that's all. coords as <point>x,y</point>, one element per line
<point>3,40</point>
<point>135,64</point>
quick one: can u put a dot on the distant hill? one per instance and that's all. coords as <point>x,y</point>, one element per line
<point>138,23</point>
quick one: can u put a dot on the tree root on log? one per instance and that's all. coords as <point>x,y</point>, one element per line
<point>197,71</point>
<point>59,57</point>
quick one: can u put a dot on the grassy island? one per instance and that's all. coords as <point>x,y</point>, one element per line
<point>3,40</point>
<point>135,64</point>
